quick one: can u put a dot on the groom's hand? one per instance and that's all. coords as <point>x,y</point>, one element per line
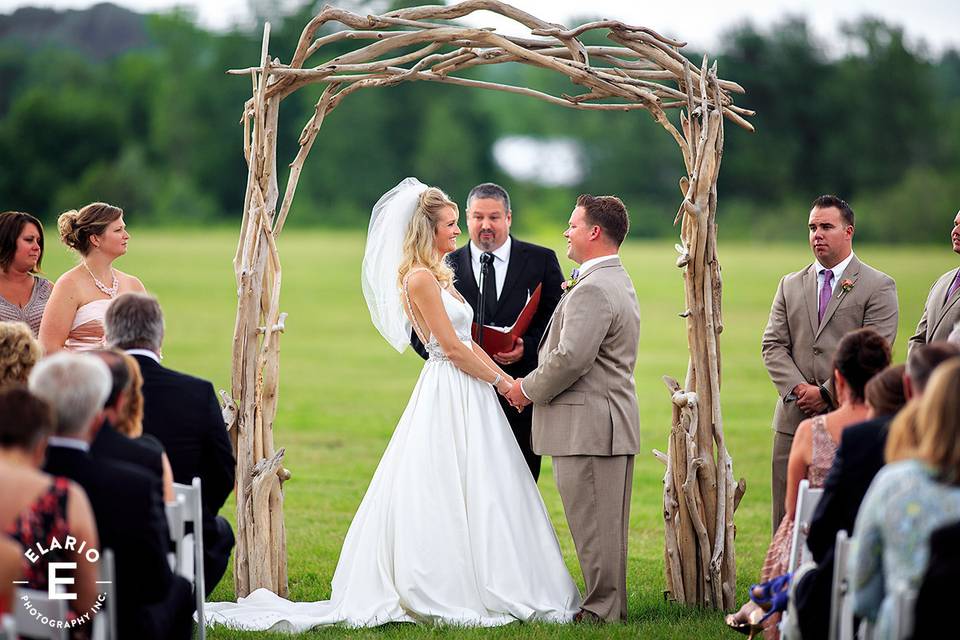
<point>514,355</point>
<point>515,396</point>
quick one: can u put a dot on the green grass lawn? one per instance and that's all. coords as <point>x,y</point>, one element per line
<point>343,388</point>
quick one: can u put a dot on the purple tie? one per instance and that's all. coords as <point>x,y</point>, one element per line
<point>953,287</point>
<point>825,292</point>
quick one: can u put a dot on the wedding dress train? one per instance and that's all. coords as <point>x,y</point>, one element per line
<point>452,529</point>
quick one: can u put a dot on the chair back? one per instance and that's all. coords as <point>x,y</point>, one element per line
<point>807,500</point>
<point>901,620</point>
<point>177,525</point>
<point>28,620</point>
<point>105,622</point>
<point>191,497</point>
<point>841,605</point>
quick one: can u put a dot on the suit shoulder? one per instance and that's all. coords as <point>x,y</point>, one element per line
<point>188,380</point>
<point>874,273</point>
<point>795,276</point>
<point>535,249</point>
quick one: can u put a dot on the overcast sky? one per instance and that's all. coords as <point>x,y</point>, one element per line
<point>697,21</point>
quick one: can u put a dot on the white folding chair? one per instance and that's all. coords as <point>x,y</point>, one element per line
<point>8,628</point>
<point>191,498</point>
<point>29,619</point>
<point>175,523</point>
<point>105,622</point>
<point>807,500</point>
<point>904,603</point>
<point>841,605</point>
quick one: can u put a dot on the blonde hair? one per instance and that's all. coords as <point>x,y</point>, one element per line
<point>19,352</point>
<point>130,420</point>
<point>939,414</point>
<point>904,435</point>
<point>76,227</point>
<point>419,245</point>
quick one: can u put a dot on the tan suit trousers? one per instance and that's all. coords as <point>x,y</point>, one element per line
<point>596,499</point>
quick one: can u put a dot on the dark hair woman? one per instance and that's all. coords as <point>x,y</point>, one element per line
<point>23,291</point>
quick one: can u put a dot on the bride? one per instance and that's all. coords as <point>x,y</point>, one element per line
<point>452,529</point>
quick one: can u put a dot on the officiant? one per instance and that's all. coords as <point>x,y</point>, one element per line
<point>509,271</point>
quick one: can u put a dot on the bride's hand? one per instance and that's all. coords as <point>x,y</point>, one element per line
<point>504,386</point>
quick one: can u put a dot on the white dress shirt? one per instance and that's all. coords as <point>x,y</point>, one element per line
<point>69,443</point>
<point>592,261</point>
<point>837,273</point>
<point>146,353</point>
<point>501,260</point>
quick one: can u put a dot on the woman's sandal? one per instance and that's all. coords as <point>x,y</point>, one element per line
<point>749,624</point>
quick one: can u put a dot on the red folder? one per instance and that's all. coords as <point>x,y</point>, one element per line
<point>501,339</point>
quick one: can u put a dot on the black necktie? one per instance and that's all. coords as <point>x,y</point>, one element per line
<point>489,273</point>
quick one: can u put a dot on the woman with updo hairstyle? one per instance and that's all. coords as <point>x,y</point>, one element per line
<point>73,319</point>
<point>885,394</point>
<point>906,502</point>
<point>19,352</point>
<point>23,291</point>
<point>860,356</point>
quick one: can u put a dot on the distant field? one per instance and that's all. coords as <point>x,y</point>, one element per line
<point>343,388</point>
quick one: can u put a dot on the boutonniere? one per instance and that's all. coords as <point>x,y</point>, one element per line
<point>570,283</point>
<point>845,286</point>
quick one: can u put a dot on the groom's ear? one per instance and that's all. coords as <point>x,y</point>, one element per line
<point>595,232</point>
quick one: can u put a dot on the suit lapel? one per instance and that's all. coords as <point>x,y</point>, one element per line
<point>939,312</point>
<point>810,296</point>
<point>466,281</point>
<point>563,298</point>
<point>852,272</point>
<point>518,262</point>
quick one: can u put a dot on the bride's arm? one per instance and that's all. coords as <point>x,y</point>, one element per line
<point>425,296</point>
<point>480,353</point>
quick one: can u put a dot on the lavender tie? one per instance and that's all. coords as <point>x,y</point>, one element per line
<point>825,292</point>
<point>953,287</point>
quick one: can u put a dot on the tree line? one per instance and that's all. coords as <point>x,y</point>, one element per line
<point>155,128</point>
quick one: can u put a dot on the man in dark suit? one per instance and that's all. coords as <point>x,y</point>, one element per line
<point>110,443</point>
<point>127,503</point>
<point>857,461</point>
<point>183,413</point>
<point>512,270</point>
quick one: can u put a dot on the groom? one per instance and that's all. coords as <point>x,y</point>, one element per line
<point>585,402</point>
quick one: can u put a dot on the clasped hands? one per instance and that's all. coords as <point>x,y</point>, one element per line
<point>510,389</point>
<point>809,399</point>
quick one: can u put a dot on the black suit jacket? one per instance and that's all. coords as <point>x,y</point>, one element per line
<point>127,504</point>
<point>937,594</point>
<point>529,265</point>
<point>859,457</point>
<point>113,445</point>
<point>183,413</point>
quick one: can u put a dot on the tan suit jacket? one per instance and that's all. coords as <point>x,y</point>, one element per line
<point>584,395</point>
<point>798,348</point>
<point>939,314</point>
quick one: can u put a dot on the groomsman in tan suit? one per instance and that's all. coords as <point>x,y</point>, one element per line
<point>812,310</point>
<point>942,310</point>
<point>585,402</point>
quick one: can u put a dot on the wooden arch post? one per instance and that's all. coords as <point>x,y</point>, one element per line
<point>640,69</point>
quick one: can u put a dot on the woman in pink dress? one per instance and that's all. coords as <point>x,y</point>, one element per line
<point>73,319</point>
<point>860,355</point>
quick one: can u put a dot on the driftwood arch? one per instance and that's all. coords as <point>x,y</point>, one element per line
<point>640,70</point>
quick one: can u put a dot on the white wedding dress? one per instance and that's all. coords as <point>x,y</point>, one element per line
<point>452,529</point>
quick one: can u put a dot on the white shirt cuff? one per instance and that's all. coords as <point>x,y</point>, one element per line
<point>524,392</point>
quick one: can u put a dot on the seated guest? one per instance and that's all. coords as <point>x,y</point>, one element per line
<point>860,355</point>
<point>858,459</point>
<point>110,442</point>
<point>126,500</point>
<point>37,508</point>
<point>937,593</point>
<point>18,353</point>
<point>906,502</point>
<point>23,291</point>
<point>182,411</point>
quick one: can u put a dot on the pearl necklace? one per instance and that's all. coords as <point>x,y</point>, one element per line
<point>114,287</point>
